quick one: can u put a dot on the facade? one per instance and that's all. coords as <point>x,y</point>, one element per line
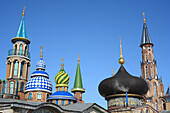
<point>123,92</point>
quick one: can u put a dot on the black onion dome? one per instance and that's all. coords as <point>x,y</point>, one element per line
<point>121,83</point>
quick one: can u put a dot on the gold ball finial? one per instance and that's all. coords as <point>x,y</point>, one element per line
<point>121,61</point>
<point>41,52</point>
<point>23,14</point>
<point>78,58</point>
<point>62,59</point>
<point>144,17</point>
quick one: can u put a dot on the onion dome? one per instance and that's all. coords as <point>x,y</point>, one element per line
<point>39,83</point>
<point>62,78</point>
<point>21,34</point>
<point>61,95</point>
<point>121,83</point>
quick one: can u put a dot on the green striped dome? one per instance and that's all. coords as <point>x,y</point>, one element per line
<point>62,78</point>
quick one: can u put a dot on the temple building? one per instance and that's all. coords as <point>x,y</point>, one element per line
<point>123,92</point>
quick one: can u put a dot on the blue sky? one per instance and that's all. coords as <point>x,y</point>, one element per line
<point>90,27</point>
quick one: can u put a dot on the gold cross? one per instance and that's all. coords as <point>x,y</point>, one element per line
<point>112,71</point>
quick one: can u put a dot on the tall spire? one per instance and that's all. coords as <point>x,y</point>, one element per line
<point>146,39</point>
<point>78,86</point>
<point>121,60</point>
<point>21,33</point>
<point>167,92</point>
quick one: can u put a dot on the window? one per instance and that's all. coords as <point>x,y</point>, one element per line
<point>20,50</point>
<point>150,57</point>
<point>21,70</point>
<point>147,111</point>
<point>164,105</point>
<point>63,102</point>
<point>156,105</point>
<point>146,71</point>
<point>15,52</point>
<point>11,87</point>
<point>4,88</point>
<point>154,86</point>
<point>16,68</point>
<point>30,96</point>
<point>22,87</point>
<point>152,73</point>
<point>39,95</point>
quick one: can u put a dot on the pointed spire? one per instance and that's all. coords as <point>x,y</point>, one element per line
<point>21,33</point>
<point>146,39</point>
<point>121,60</point>
<point>167,92</point>
<point>22,30</point>
<point>78,86</point>
<point>41,64</point>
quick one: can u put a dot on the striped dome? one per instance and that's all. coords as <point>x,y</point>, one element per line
<point>62,78</point>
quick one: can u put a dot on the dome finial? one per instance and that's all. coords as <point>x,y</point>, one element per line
<point>144,17</point>
<point>121,60</point>
<point>78,58</point>
<point>62,59</point>
<point>41,52</point>
<point>112,71</point>
<point>23,14</point>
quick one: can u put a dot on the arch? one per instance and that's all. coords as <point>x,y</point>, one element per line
<point>30,96</point>
<point>22,87</point>
<point>39,95</point>
<point>20,49</point>
<point>15,49</point>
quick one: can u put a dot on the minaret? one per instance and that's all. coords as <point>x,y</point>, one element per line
<point>18,63</point>
<point>78,86</point>
<point>39,87</point>
<point>149,69</point>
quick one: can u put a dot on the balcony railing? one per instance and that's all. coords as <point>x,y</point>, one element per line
<point>18,52</point>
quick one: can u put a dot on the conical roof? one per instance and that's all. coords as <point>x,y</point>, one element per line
<point>78,86</point>
<point>146,39</point>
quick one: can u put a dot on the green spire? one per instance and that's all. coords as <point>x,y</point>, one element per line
<point>78,86</point>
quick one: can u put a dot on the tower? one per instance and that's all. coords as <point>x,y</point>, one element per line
<point>39,87</point>
<point>62,97</point>
<point>149,71</point>
<point>18,63</point>
<point>78,86</point>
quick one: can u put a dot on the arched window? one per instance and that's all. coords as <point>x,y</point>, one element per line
<point>11,87</point>
<point>146,71</point>
<point>20,50</point>
<point>152,71</point>
<point>164,105</point>
<point>156,105</point>
<point>30,96</point>
<point>22,87</point>
<point>16,68</point>
<point>154,86</point>
<point>21,70</point>
<point>15,51</point>
<point>39,95</point>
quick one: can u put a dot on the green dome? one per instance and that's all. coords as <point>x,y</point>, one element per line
<point>62,78</point>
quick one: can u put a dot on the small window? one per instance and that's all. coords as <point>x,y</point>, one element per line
<point>20,50</point>
<point>39,95</point>
<point>16,68</point>
<point>22,87</point>
<point>30,96</point>
<point>154,85</point>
